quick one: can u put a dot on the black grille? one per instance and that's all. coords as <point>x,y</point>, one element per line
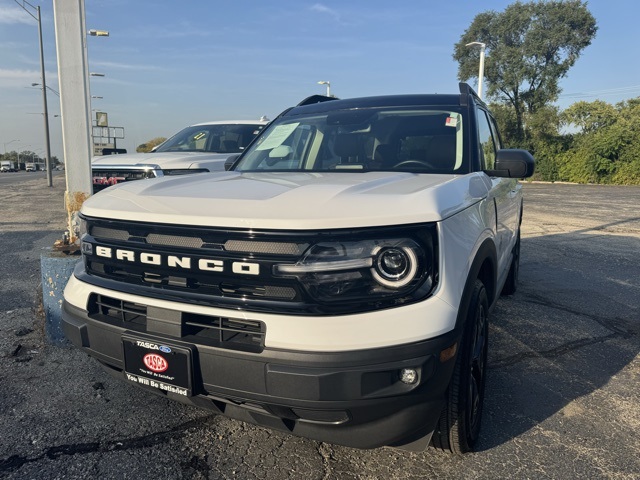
<point>222,332</point>
<point>129,314</point>
<point>234,268</point>
<point>224,253</point>
<point>197,241</point>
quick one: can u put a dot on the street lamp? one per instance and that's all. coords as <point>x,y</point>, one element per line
<point>9,143</point>
<point>328,84</point>
<point>95,74</point>
<point>40,85</point>
<point>38,18</point>
<point>481,67</point>
<point>98,33</point>
<point>97,96</point>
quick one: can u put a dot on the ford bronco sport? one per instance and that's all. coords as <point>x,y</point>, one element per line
<point>334,283</point>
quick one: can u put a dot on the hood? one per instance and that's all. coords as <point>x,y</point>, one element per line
<point>165,160</point>
<point>291,201</point>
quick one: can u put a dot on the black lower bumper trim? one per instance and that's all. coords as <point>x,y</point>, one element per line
<point>351,398</point>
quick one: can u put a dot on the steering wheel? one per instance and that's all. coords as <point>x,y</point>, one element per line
<point>416,164</point>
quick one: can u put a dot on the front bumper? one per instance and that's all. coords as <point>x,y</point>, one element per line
<point>353,398</point>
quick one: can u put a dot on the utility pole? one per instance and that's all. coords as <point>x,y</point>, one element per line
<point>73,75</point>
<point>47,141</point>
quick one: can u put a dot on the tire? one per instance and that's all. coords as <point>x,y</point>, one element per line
<point>458,428</point>
<point>511,284</point>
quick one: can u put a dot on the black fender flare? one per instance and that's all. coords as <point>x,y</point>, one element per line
<point>484,267</point>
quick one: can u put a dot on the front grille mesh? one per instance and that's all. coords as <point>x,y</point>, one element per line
<point>184,241</point>
<point>174,240</point>
<point>262,247</point>
<point>110,233</point>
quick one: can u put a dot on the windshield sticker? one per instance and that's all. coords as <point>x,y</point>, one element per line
<point>451,122</point>
<point>278,135</point>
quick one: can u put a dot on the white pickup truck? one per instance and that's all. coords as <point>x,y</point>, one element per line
<point>203,147</point>
<point>334,283</point>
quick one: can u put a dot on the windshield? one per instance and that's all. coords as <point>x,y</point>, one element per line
<point>419,140</point>
<point>227,138</point>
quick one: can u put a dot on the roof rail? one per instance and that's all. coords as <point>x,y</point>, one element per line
<point>315,99</point>
<point>465,91</point>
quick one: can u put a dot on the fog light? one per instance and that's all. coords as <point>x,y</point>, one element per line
<point>408,376</point>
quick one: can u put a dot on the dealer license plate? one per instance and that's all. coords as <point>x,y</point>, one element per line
<point>159,365</point>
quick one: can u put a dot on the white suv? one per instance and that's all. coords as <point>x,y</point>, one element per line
<point>335,283</point>
<point>203,147</point>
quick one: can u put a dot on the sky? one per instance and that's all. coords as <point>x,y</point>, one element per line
<point>169,64</point>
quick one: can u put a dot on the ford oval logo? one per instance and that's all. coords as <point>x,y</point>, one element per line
<point>164,348</point>
<point>155,363</point>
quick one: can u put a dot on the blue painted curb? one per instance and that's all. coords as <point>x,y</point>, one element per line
<point>56,269</point>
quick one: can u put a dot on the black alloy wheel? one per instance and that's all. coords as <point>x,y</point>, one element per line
<point>458,428</point>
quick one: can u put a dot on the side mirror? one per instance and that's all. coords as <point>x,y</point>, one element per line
<point>228,163</point>
<point>513,163</point>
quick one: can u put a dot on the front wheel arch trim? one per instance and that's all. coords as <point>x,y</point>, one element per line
<point>484,267</point>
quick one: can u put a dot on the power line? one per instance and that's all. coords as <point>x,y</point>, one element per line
<point>604,92</point>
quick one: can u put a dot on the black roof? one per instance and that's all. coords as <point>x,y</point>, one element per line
<point>411,100</point>
<point>382,101</point>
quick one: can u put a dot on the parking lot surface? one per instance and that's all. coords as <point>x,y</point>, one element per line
<point>563,396</point>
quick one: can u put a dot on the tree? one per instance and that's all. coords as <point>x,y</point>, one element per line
<point>148,146</point>
<point>590,116</point>
<point>606,148</point>
<point>529,48</point>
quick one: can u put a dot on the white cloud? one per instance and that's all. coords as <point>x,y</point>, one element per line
<point>20,74</point>
<point>320,8</point>
<point>11,15</point>
<point>24,78</point>
<point>125,66</point>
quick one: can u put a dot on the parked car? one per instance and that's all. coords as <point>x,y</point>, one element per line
<point>203,147</point>
<point>336,283</point>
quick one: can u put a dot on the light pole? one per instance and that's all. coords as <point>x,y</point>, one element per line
<point>9,143</point>
<point>40,85</point>
<point>328,84</point>
<point>47,142</point>
<point>481,67</point>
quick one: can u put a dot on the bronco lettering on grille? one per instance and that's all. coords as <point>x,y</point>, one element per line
<point>175,261</point>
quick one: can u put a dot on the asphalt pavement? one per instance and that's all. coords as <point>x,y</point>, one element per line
<point>563,397</point>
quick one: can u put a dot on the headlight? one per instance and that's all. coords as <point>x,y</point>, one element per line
<point>368,269</point>
<point>82,227</point>
<point>395,266</point>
